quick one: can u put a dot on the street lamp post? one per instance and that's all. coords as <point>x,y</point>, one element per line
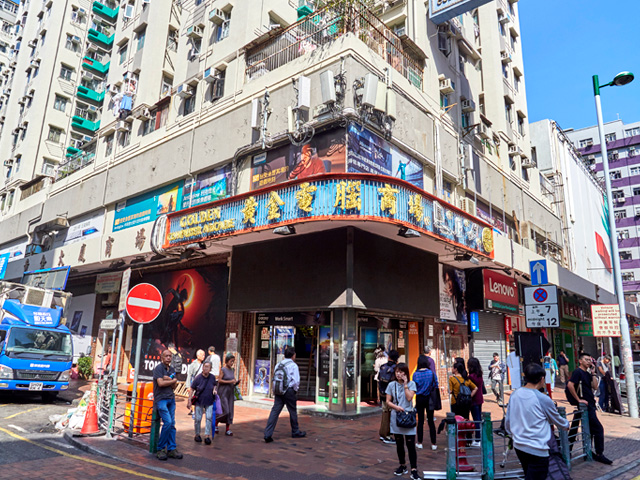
<point>619,80</point>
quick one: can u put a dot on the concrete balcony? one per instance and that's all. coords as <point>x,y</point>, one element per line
<point>101,38</point>
<point>96,66</point>
<point>88,94</point>
<point>84,124</point>
<point>106,12</point>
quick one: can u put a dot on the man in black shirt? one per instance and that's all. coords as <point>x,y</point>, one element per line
<point>164,381</point>
<point>580,390</point>
<point>563,366</point>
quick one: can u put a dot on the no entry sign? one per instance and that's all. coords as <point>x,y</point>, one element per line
<point>144,303</point>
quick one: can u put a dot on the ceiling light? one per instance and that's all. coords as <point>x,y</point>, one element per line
<point>286,230</point>
<point>408,232</point>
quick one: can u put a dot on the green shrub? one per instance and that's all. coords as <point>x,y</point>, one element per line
<point>85,367</point>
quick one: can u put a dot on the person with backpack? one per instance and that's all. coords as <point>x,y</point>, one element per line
<point>176,358</point>
<point>386,375</point>
<point>461,390</point>
<point>425,381</point>
<point>286,382</point>
<point>529,415</point>
<point>580,388</point>
<point>399,394</point>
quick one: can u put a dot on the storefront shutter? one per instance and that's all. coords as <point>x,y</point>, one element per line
<point>489,339</point>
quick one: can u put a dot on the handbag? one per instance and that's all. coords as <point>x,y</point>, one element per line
<point>236,393</point>
<point>407,418</point>
<point>435,402</point>
<point>218,405</point>
<point>484,389</point>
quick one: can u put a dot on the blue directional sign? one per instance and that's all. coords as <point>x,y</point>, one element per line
<point>539,273</point>
<point>474,321</point>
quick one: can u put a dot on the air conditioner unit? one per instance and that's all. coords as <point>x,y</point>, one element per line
<point>211,75</point>
<point>468,106</point>
<point>88,75</point>
<point>111,299</point>
<point>446,86</point>
<point>513,149</point>
<point>32,43</point>
<point>506,57</point>
<point>113,89</point>
<point>144,114</point>
<point>485,131</point>
<point>76,39</point>
<point>194,31</point>
<point>216,16</point>
<point>87,138</point>
<point>93,108</point>
<point>49,170</point>
<point>468,205</point>
<point>82,11</point>
<point>184,90</point>
<point>35,63</point>
<point>8,163</point>
<point>525,242</point>
<point>122,126</point>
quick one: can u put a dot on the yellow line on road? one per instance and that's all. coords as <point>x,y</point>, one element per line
<point>76,457</point>
<point>5,404</point>
<point>20,413</point>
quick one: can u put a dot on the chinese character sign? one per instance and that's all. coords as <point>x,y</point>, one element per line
<point>606,320</point>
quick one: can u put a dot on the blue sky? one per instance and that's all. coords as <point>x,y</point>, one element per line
<point>564,43</point>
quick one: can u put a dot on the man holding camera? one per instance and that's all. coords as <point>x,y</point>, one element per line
<point>164,399</point>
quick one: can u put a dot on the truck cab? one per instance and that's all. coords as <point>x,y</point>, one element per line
<point>36,350</point>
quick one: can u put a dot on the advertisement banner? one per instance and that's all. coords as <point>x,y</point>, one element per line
<point>500,292</point>
<point>442,10</point>
<point>108,282</point>
<point>262,376</point>
<point>82,229</point>
<point>284,338</point>
<point>4,260</point>
<point>193,315</point>
<point>324,363</point>
<point>207,187</point>
<point>16,252</point>
<point>606,320</point>
<point>453,288</point>
<point>324,154</point>
<point>146,208</point>
<point>369,153</point>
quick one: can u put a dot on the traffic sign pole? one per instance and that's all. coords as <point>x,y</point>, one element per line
<point>134,396</point>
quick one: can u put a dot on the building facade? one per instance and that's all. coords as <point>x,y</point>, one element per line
<point>332,176</point>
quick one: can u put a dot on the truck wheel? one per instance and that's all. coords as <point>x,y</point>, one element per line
<point>49,396</point>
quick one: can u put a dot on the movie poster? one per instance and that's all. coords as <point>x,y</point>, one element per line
<point>324,364</point>
<point>262,376</point>
<point>193,315</point>
<point>324,154</point>
<point>369,153</point>
<point>453,288</point>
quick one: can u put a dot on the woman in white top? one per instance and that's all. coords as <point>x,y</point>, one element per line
<point>400,395</point>
<point>380,360</point>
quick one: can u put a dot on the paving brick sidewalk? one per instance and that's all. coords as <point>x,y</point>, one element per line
<point>333,450</point>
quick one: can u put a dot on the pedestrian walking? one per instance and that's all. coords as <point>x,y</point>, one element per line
<point>425,381</point>
<point>164,400</point>
<point>203,393</point>
<point>528,419</point>
<point>461,390</point>
<point>400,393</point>
<point>497,369</point>
<point>226,390</point>
<point>386,375</point>
<point>603,366</point>
<point>214,358</point>
<point>475,375</point>
<point>563,367</point>
<point>380,359</point>
<point>432,363</point>
<point>550,368</point>
<point>286,382</point>
<point>194,369</point>
<point>580,389</point>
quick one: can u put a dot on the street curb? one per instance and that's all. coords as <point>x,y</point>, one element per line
<point>618,471</point>
<point>71,440</point>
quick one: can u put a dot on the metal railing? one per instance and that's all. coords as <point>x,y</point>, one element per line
<point>322,27</point>
<point>78,161</point>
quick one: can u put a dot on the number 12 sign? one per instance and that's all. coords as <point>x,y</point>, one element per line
<point>542,316</point>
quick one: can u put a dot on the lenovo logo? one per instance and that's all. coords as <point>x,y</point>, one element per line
<point>502,289</point>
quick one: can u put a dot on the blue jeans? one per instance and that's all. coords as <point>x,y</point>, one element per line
<point>197,419</point>
<point>167,411</point>
<point>476,414</point>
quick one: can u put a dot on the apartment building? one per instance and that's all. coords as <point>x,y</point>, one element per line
<point>56,95</point>
<point>333,175</point>
<point>623,146</point>
<point>8,14</point>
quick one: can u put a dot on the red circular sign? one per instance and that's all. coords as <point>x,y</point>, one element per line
<point>144,303</point>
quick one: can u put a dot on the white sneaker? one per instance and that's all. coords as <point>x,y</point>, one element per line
<point>475,444</point>
<point>419,446</point>
<point>434,447</point>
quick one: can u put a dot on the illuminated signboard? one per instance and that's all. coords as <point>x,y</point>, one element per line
<point>329,197</point>
<point>442,10</point>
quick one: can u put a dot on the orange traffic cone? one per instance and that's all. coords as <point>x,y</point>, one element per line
<point>464,426</point>
<point>90,425</point>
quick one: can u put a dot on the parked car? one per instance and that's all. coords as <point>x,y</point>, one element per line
<point>623,384</point>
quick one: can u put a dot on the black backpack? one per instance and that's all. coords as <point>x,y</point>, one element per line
<point>463,399</point>
<point>386,375</point>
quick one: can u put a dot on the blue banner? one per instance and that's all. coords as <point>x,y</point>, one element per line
<point>146,208</point>
<point>207,187</point>
<point>4,260</point>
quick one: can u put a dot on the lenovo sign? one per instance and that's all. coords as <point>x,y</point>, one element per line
<point>500,292</point>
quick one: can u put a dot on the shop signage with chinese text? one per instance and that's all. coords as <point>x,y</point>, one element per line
<point>606,320</point>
